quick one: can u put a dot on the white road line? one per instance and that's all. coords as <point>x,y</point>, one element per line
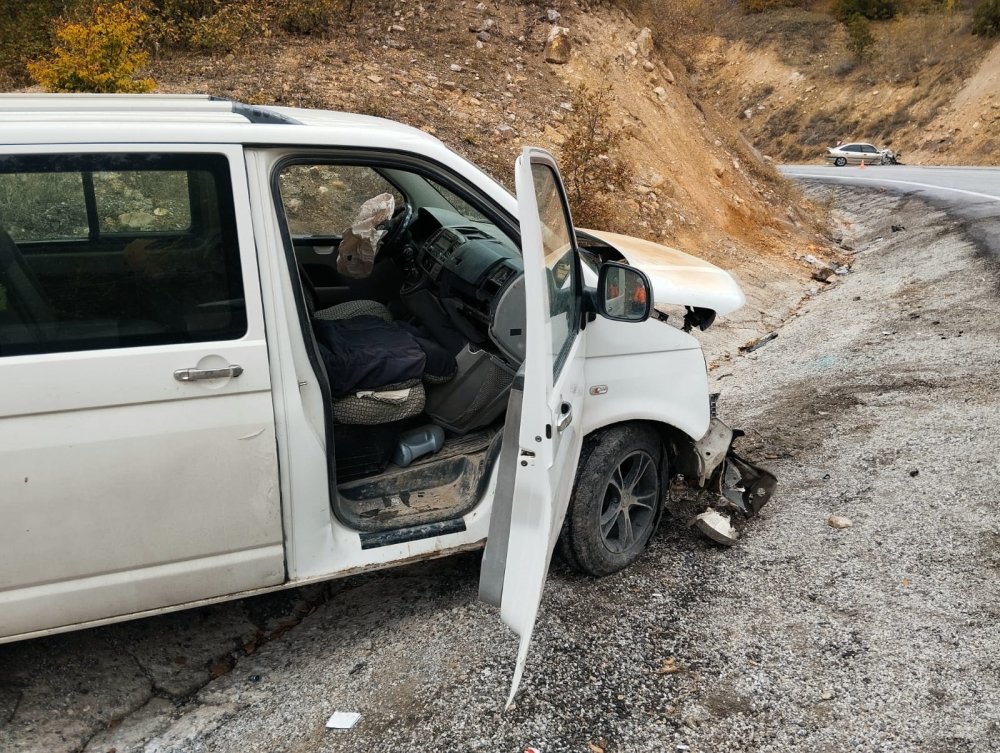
<point>897,182</point>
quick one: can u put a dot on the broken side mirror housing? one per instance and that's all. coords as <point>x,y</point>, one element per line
<point>624,293</point>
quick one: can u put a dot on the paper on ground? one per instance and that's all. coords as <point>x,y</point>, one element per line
<point>343,720</point>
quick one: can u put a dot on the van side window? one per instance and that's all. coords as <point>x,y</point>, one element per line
<point>103,251</point>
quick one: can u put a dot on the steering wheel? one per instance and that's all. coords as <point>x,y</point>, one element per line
<point>395,227</point>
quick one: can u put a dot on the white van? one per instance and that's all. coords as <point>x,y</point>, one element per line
<point>248,348</point>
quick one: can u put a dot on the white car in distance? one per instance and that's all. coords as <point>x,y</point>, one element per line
<point>858,153</point>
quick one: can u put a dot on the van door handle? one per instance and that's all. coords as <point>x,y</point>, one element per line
<point>190,375</point>
<point>565,417</point>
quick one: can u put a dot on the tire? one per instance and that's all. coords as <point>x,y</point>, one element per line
<point>840,161</point>
<point>599,537</point>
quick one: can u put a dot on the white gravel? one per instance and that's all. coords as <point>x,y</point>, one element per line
<point>878,637</point>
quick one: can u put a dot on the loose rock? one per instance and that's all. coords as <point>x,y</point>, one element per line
<point>823,274</point>
<point>558,46</point>
<point>837,521</point>
<point>644,42</point>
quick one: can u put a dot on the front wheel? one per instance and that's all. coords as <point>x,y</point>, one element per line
<point>617,500</point>
<point>840,161</point>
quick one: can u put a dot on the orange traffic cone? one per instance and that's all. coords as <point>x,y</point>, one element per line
<point>862,165</point>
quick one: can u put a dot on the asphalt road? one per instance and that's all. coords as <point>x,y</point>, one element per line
<point>971,194</point>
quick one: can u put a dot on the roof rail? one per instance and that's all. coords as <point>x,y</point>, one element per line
<point>202,104</point>
<point>257,114</point>
<point>111,102</point>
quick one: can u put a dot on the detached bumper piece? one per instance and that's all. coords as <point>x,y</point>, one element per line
<point>745,486</point>
<point>741,486</point>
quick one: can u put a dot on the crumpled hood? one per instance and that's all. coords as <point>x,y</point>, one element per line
<point>677,278</point>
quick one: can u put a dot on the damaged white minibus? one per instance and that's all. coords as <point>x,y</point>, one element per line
<point>248,348</point>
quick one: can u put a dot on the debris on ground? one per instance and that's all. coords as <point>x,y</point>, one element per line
<point>716,526</point>
<point>760,342</point>
<point>838,521</point>
<point>343,720</point>
<point>669,667</point>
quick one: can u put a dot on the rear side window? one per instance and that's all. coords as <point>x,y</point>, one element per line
<point>117,250</point>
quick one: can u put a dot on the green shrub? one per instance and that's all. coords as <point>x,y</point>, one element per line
<point>843,10</point>
<point>101,53</point>
<point>860,39</point>
<point>986,18</point>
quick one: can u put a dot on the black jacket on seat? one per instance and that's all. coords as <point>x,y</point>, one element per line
<point>367,352</point>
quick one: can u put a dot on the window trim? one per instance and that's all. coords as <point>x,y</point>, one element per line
<point>560,359</point>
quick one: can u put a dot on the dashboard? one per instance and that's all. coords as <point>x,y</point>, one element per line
<point>475,271</point>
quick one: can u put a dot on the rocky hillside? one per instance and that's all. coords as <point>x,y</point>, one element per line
<point>482,79</point>
<point>926,86</point>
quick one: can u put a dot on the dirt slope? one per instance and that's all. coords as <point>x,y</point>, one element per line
<point>698,184</point>
<point>931,89</point>
<point>971,121</point>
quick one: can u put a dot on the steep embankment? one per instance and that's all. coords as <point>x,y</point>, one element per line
<point>476,77</point>
<point>929,88</point>
<point>970,124</point>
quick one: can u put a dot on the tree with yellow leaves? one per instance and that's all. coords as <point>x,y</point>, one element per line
<point>100,54</point>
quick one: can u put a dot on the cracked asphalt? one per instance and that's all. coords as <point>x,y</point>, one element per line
<point>877,402</point>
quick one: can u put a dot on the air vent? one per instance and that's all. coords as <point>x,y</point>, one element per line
<point>473,233</point>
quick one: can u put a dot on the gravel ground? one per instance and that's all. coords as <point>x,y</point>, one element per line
<point>877,402</point>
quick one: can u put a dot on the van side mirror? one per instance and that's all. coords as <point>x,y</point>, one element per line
<point>624,293</point>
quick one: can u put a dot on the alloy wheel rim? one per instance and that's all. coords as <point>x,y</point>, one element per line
<point>628,509</point>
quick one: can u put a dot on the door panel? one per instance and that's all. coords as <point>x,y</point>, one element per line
<point>518,552</point>
<point>129,488</point>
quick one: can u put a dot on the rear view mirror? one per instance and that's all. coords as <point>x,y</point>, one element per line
<point>624,293</point>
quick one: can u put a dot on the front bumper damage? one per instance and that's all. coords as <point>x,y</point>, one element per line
<point>738,486</point>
